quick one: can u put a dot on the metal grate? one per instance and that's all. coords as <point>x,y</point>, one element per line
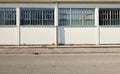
<point>109,16</point>
<point>76,16</point>
<point>7,16</point>
<point>37,16</point>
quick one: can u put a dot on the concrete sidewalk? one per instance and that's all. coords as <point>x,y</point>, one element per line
<point>62,49</point>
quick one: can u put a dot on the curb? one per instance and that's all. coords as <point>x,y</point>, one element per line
<point>58,50</point>
<point>61,46</point>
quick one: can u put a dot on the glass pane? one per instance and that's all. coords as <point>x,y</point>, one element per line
<point>88,17</point>
<point>37,16</point>
<point>48,17</point>
<point>64,16</point>
<point>76,17</point>
<point>104,17</point>
<point>7,16</point>
<point>115,17</point>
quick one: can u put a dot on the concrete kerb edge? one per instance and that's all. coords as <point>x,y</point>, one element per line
<point>58,49</point>
<point>50,47</point>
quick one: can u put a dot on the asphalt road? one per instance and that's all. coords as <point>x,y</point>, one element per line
<point>100,63</point>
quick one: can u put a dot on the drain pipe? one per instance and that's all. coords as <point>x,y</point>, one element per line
<point>18,25</point>
<point>56,22</point>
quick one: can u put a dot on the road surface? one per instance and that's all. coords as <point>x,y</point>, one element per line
<point>97,63</point>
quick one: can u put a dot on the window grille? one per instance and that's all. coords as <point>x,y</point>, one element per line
<point>76,16</point>
<point>7,16</point>
<point>64,17</point>
<point>37,16</point>
<point>109,16</point>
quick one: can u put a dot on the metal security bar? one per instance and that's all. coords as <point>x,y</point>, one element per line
<point>76,16</point>
<point>7,16</point>
<point>64,16</point>
<point>37,16</point>
<point>109,16</point>
<point>115,17</point>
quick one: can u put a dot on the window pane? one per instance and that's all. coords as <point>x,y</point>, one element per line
<point>76,16</point>
<point>109,17</point>
<point>88,17</point>
<point>64,16</point>
<point>115,20</point>
<point>7,16</point>
<point>104,17</point>
<point>37,16</point>
<point>82,17</point>
<point>48,17</point>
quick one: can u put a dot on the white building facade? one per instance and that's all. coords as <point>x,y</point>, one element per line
<point>59,22</point>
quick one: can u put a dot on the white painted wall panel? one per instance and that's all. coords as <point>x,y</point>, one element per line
<point>110,35</point>
<point>27,5</point>
<point>89,5</point>
<point>8,36</point>
<point>77,35</point>
<point>38,35</point>
<point>30,5</point>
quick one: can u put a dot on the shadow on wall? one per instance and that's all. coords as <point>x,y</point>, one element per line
<point>61,35</point>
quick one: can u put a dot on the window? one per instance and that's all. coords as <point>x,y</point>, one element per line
<point>76,16</point>
<point>7,16</point>
<point>109,16</point>
<point>37,16</point>
<point>64,17</point>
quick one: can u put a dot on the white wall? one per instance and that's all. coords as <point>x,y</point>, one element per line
<point>66,35</point>
<point>38,35</point>
<point>77,35</point>
<point>30,5</point>
<point>89,5</point>
<point>8,36</point>
<point>109,35</point>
